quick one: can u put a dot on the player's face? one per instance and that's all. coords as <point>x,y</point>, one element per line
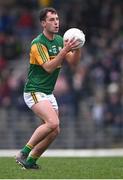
<point>51,24</point>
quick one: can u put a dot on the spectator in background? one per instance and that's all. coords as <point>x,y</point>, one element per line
<point>114,110</point>
<point>64,95</point>
<point>98,111</point>
<point>11,47</point>
<point>5,21</point>
<point>44,3</point>
<point>25,23</point>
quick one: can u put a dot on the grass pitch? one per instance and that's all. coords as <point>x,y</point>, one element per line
<point>65,168</point>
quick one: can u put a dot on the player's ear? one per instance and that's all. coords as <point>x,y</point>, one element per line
<point>43,23</point>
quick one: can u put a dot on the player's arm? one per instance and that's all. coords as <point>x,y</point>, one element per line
<point>73,57</point>
<point>50,66</point>
<point>39,55</point>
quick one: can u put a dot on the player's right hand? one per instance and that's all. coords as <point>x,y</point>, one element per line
<point>70,44</point>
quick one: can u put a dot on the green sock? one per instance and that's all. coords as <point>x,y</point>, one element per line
<point>31,160</point>
<point>27,148</point>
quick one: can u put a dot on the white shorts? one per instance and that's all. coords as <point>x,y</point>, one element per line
<point>32,98</point>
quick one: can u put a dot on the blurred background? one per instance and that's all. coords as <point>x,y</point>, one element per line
<point>90,96</point>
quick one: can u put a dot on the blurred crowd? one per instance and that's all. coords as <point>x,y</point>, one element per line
<point>97,80</point>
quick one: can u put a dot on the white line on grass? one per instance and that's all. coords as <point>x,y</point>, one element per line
<point>70,152</point>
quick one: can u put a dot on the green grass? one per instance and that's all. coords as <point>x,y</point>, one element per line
<point>65,168</point>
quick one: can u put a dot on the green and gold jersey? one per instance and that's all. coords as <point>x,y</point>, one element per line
<point>43,50</point>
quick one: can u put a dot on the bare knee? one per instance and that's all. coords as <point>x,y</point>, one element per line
<point>53,124</point>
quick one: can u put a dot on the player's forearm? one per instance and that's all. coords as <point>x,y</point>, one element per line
<point>50,66</point>
<point>74,57</point>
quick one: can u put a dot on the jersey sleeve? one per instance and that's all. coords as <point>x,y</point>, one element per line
<point>39,54</point>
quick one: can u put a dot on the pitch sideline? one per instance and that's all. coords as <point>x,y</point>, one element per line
<point>70,152</point>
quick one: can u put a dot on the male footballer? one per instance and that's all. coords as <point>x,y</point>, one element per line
<point>47,54</point>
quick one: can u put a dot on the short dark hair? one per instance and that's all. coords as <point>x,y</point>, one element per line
<point>44,11</point>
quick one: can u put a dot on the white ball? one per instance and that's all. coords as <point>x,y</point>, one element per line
<point>77,34</point>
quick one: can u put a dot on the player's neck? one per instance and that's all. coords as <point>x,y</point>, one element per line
<point>49,36</point>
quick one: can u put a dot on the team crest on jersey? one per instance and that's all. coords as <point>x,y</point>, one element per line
<point>54,49</point>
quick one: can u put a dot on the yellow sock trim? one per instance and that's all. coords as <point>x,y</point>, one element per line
<point>29,146</point>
